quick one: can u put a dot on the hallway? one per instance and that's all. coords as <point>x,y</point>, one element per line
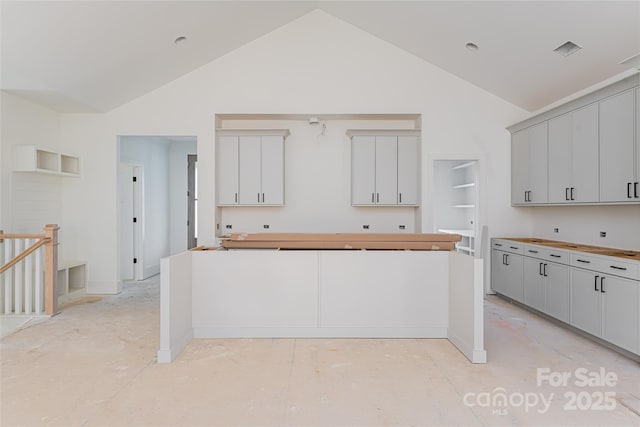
<point>94,364</point>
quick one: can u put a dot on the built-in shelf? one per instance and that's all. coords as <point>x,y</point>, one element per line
<point>464,206</point>
<point>253,132</point>
<point>471,184</point>
<point>72,280</point>
<point>29,158</point>
<point>381,132</point>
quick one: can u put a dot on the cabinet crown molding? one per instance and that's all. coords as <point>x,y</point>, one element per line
<point>380,132</point>
<point>253,132</point>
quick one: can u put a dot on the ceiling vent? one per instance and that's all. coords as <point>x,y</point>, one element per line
<point>567,48</point>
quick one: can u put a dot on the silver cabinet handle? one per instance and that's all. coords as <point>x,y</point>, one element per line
<point>262,197</point>
<point>236,197</point>
<point>595,284</point>
<point>377,197</point>
<point>258,197</point>
<point>400,197</point>
<point>618,268</point>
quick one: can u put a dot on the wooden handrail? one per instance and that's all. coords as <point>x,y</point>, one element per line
<point>24,254</point>
<point>50,241</point>
<point>20,236</point>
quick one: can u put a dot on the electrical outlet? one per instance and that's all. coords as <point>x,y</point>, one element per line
<point>265,226</point>
<point>402,227</point>
<point>556,230</point>
<point>603,234</point>
<point>365,226</point>
<point>229,226</point>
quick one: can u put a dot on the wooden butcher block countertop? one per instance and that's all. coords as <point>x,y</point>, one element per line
<point>598,250</point>
<point>371,241</point>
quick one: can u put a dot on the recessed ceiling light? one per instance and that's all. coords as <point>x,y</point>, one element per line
<point>472,47</point>
<point>180,40</point>
<point>567,48</point>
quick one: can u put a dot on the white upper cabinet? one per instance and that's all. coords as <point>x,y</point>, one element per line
<point>272,169</point>
<point>618,180</point>
<point>593,150</point>
<point>384,169</point>
<point>573,157</point>
<point>363,170</point>
<point>529,165</point>
<point>250,168</point>
<point>407,170</point>
<point>227,170</point>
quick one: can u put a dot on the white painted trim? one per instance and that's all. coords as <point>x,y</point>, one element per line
<point>351,332</point>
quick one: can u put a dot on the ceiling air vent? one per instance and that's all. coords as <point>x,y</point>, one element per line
<point>567,48</point>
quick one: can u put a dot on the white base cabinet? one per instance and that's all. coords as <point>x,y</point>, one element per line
<point>507,270</point>
<point>595,293</point>
<point>606,306</point>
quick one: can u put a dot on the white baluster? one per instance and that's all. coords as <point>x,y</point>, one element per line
<point>39,289</point>
<point>8,278</point>
<point>18,282</point>
<point>28,282</point>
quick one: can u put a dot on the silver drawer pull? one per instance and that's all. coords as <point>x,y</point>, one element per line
<point>618,268</point>
<point>582,260</point>
<point>513,247</point>
<point>533,252</point>
<point>556,256</point>
<point>497,244</point>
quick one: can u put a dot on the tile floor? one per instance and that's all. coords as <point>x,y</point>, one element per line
<point>94,365</point>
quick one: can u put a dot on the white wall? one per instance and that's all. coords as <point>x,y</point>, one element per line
<point>178,152</point>
<point>153,155</point>
<point>583,224</point>
<point>316,64</point>
<point>318,183</point>
<point>29,200</point>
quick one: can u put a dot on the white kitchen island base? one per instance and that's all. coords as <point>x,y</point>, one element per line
<point>321,294</point>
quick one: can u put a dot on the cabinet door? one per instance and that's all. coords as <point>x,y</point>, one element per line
<point>227,170</point>
<point>498,273</point>
<point>637,195</point>
<point>387,170</point>
<point>538,161</point>
<point>363,170</point>
<point>272,167</point>
<point>620,312</point>
<point>519,166</point>
<point>617,147</point>
<point>560,159</point>
<point>557,291</point>
<point>584,155</point>
<point>586,308</point>
<point>533,283</point>
<point>514,277</point>
<point>408,170</point>
<point>249,176</point>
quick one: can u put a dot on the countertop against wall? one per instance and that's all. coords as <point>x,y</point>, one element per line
<point>598,250</point>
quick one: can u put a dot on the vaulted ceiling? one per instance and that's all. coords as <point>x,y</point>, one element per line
<point>88,56</point>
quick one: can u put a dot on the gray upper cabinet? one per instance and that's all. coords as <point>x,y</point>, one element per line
<point>573,157</point>
<point>529,165</point>
<point>384,168</point>
<point>618,180</point>
<point>592,150</point>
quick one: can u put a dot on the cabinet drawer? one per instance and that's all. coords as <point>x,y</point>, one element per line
<point>547,254</point>
<point>507,246</point>
<point>606,265</point>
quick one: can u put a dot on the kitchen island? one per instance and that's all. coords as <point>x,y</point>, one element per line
<point>270,293</point>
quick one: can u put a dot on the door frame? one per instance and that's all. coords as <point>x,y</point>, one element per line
<point>138,212</point>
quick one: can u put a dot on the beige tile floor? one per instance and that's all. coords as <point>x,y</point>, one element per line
<point>94,365</point>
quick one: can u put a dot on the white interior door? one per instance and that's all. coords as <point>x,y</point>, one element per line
<point>126,212</point>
